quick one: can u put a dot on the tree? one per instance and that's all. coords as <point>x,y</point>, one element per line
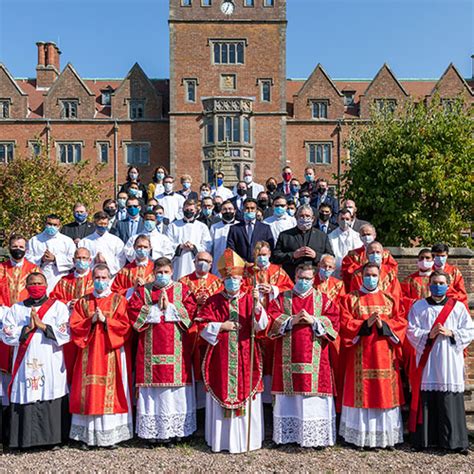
<point>411,173</point>
<point>32,187</point>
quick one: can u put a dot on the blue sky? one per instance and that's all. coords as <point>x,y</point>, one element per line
<point>351,38</point>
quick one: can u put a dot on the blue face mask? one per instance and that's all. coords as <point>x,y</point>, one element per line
<point>263,261</point>
<point>162,279</point>
<point>309,178</point>
<point>438,290</point>
<point>220,181</point>
<point>294,189</point>
<point>82,264</point>
<point>440,261</point>
<point>122,202</point>
<point>149,226</point>
<point>133,192</point>
<point>250,216</point>
<point>186,185</point>
<point>133,211</point>
<point>371,282</point>
<point>100,229</point>
<point>375,258</point>
<point>80,217</point>
<point>302,286</point>
<point>101,285</point>
<point>206,212</point>
<point>160,218</point>
<point>291,212</point>
<point>232,285</point>
<point>142,253</point>
<point>160,176</point>
<point>325,274</point>
<point>51,230</point>
<point>304,200</point>
<point>279,211</point>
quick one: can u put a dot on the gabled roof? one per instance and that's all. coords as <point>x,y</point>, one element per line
<point>452,67</point>
<point>136,69</point>
<point>10,78</point>
<point>385,67</point>
<point>318,69</point>
<point>58,81</point>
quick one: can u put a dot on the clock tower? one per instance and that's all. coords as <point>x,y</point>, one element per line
<point>227,88</point>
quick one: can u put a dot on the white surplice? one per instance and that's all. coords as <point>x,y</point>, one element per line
<point>223,192</point>
<point>342,243</point>
<point>4,378</point>
<point>172,205</point>
<point>42,373</point>
<point>279,224</point>
<point>444,370</point>
<point>180,232</point>
<point>219,233</point>
<point>110,246</point>
<point>161,246</point>
<point>61,246</point>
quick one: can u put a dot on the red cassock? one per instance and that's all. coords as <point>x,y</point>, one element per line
<point>357,258</point>
<point>226,367</point>
<point>372,371</point>
<point>301,360</point>
<point>415,287</point>
<point>164,349</point>
<point>456,289</point>
<point>127,276</point>
<point>97,387</point>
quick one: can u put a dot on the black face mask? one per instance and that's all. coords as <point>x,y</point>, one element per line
<point>323,217</point>
<point>217,208</point>
<point>17,254</point>
<point>227,216</point>
<point>188,214</point>
<point>321,190</point>
<point>263,203</point>
<point>271,187</point>
<point>241,192</point>
<point>110,211</point>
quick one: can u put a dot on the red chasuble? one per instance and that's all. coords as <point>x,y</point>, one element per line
<point>457,289</point>
<point>372,374</point>
<point>301,362</point>
<point>357,258</point>
<point>226,367</point>
<point>128,275</point>
<point>164,349</point>
<point>97,387</point>
<point>332,288</point>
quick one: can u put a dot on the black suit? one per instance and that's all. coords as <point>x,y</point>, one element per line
<point>123,231</point>
<point>291,240</point>
<point>330,201</point>
<point>239,213</point>
<point>78,231</point>
<point>329,226</point>
<point>238,239</point>
<point>358,223</point>
<point>280,191</point>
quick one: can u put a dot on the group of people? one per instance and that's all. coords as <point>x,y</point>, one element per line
<point>171,302</point>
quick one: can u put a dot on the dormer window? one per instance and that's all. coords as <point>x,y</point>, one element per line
<point>106,97</point>
<point>137,109</point>
<point>348,98</point>
<point>319,109</point>
<point>69,109</point>
<point>4,109</point>
<point>385,105</point>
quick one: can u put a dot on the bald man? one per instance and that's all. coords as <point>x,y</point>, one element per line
<point>356,223</point>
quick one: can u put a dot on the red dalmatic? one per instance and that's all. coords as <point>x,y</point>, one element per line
<point>457,288</point>
<point>127,276</point>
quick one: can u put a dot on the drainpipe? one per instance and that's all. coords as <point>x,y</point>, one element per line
<point>338,129</point>
<point>48,136</point>
<point>116,129</point>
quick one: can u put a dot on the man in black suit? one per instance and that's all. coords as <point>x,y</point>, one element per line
<point>243,236</point>
<point>133,224</point>
<point>323,196</point>
<point>162,222</point>
<point>206,215</point>
<point>238,201</point>
<point>302,244</point>
<point>284,188</point>
<point>323,222</point>
<point>356,223</point>
<point>81,227</point>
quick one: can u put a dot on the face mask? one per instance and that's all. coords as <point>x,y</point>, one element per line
<point>37,292</point>
<point>248,179</point>
<point>323,217</point>
<point>217,208</point>
<point>350,209</point>
<point>133,176</point>
<point>160,176</point>
<point>17,254</point>
<point>82,264</point>
<point>367,239</point>
<point>188,214</point>
<point>321,190</point>
<point>142,253</point>
<point>425,265</point>
<point>440,261</point>
<point>132,192</point>
<point>325,274</point>
<point>371,282</point>
<point>271,187</point>
<point>291,212</point>
<point>160,218</point>
<point>232,285</point>
<point>162,279</point>
<point>263,203</point>
<point>309,178</point>
<point>250,216</point>
<point>149,226</point>
<point>121,202</point>
<point>168,187</point>
<point>241,192</point>
<point>344,225</point>
<point>51,230</point>
<point>302,286</point>
<point>263,261</point>
<point>80,217</point>
<point>227,216</point>
<point>203,266</point>
<point>101,230</point>
<point>294,189</point>
<point>220,181</point>
<point>205,194</point>
<point>111,211</point>
<point>438,290</point>
<point>133,211</point>
<point>279,211</point>
<point>101,285</point>
<point>287,176</point>
<point>375,258</point>
<point>149,208</point>
<point>206,212</point>
<point>304,200</point>
<point>305,223</point>
<point>186,185</point>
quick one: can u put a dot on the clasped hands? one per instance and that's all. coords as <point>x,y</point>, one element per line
<point>375,318</point>
<point>35,321</point>
<point>304,252</point>
<point>440,329</point>
<point>98,316</point>
<point>303,317</point>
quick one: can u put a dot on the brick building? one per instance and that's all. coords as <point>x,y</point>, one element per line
<point>227,105</point>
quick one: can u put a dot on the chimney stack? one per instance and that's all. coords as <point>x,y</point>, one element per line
<point>48,68</point>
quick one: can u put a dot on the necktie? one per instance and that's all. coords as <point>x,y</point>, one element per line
<point>250,231</point>
<point>324,228</point>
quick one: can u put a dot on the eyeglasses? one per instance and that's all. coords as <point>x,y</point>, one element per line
<point>133,207</point>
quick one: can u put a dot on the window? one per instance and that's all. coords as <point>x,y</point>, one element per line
<point>385,105</point>
<point>137,109</point>
<point>266,90</point>
<point>228,82</point>
<point>137,153</point>
<point>349,98</point>
<point>190,87</point>
<point>206,3</point>
<point>228,52</point>
<point>246,122</point>
<point>228,129</point>
<point>103,150</point>
<point>6,152</point>
<point>448,104</point>
<point>69,109</point>
<point>319,153</point>
<point>320,109</point>
<point>210,130</point>
<point>186,3</point>
<point>106,97</point>
<point>249,3</point>
<point>36,147</point>
<point>4,109</point>
<point>268,3</point>
<point>69,153</point>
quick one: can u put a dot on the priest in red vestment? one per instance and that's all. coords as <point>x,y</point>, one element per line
<point>303,322</point>
<point>372,329</point>
<point>136,273</point>
<point>162,313</point>
<point>230,383</point>
<point>100,392</point>
<point>417,285</point>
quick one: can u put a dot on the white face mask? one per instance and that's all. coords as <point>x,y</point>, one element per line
<point>248,179</point>
<point>367,239</point>
<point>168,187</point>
<point>425,265</point>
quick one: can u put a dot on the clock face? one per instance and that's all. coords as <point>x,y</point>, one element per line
<point>227,8</point>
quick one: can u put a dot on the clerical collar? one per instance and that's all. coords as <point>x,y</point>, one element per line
<point>17,264</point>
<point>427,273</point>
<point>432,302</point>
<point>232,297</point>
<point>302,295</point>
<point>169,194</point>
<point>142,263</point>
<point>167,287</point>
<point>202,277</point>
<point>104,294</point>
<point>30,302</point>
<point>81,275</point>
<point>369,292</point>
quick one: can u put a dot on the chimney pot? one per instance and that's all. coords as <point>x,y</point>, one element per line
<point>48,68</point>
<point>41,53</point>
